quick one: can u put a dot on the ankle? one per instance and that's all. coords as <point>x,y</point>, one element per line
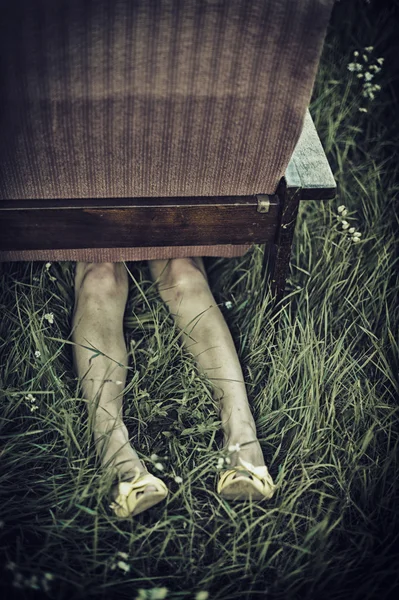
<point>241,432</point>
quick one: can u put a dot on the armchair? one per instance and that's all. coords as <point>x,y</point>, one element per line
<point>135,130</point>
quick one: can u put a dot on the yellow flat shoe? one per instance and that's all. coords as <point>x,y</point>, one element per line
<point>127,504</point>
<point>245,482</point>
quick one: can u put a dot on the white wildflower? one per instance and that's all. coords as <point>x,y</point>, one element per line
<point>220,463</point>
<point>365,58</point>
<point>178,479</point>
<point>37,354</point>
<point>380,61</point>
<point>369,48</point>
<point>158,593</point>
<point>154,456</point>
<point>49,317</point>
<point>359,75</point>
<point>235,448</point>
<point>228,304</point>
<point>352,230</point>
<point>341,208</point>
<point>48,265</point>
<point>361,109</point>
<point>357,234</point>
<point>33,407</point>
<point>159,466</point>
<point>123,566</point>
<point>355,239</point>
<point>123,555</point>
<point>203,595</point>
<point>368,76</point>
<point>355,67</point>
<point>345,224</point>
<point>30,397</point>
<point>49,576</point>
<point>344,212</point>
<point>356,53</point>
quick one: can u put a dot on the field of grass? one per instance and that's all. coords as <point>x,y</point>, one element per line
<point>323,391</point>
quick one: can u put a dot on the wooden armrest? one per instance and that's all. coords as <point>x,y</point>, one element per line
<point>308,169</point>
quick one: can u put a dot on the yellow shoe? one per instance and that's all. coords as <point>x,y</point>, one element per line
<point>127,504</point>
<point>245,482</point>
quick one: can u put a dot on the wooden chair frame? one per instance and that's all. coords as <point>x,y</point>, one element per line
<point>180,221</point>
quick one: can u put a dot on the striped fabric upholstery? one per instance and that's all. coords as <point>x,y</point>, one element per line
<point>151,98</point>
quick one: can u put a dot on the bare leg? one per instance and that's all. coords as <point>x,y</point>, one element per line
<point>101,291</point>
<point>183,285</point>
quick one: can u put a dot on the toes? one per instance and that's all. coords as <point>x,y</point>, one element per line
<point>147,490</point>
<point>240,474</point>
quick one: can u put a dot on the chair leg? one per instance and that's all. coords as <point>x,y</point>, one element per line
<point>268,268</point>
<point>277,256</point>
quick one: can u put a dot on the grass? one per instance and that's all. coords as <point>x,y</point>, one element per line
<point>323,391</point>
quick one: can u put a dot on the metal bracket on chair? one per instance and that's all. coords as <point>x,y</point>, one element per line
<point>263,203</point>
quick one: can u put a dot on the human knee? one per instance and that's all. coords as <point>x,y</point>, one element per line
<point>185,276</point>
<point>101,279</point>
